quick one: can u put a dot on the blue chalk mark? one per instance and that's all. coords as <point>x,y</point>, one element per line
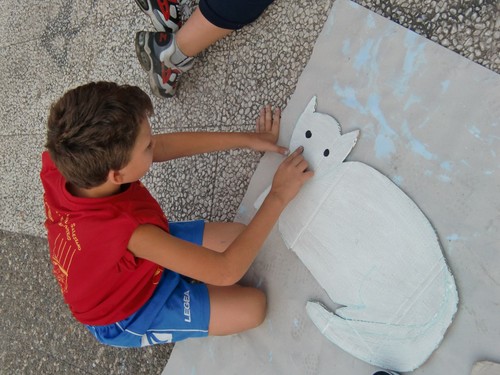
<point>428,172</point>
<point>419,148</point>
<point>398,180</point>
<point>415,145</point>
<point>475,132</point>
<point>413,59</point>
<point>363,55</point>
<point>370,21</point>
<point>411,100</point>
<point>296,323</point>
<point>270,356</point>
<point>346,47</point>
<point>453,237</point>
<point>384,144</point>
<point>444,86</point>
<point>488,172</point>
<point>446,165</point>
<point>366,58</point>
<point>414,56</point>
<point>444,178</point>
<point>348,95</point>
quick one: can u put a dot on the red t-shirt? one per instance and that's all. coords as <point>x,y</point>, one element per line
<point>101,280</point>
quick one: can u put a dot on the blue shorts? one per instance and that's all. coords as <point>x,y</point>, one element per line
<point>232,14</point>
<point>177,310</point>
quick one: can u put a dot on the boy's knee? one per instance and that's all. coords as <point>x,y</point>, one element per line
<point>239,227</point>
<point>259,307</point>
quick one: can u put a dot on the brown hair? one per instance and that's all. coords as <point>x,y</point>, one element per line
<point>92,130</point>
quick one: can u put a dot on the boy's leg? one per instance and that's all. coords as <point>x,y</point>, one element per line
<point>165,56</point>
<point>198,33</point>
<point>235,309</point>
<point>211,21</point>
<point>231,14</point>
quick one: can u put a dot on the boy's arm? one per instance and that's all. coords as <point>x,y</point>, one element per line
<point>175,145</point>
<point>152,243</point>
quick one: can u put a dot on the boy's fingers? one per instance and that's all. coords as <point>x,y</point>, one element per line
<point>268,117</point>
<point>297,152</point>
<point>302,165</point>
<point>292,158</point>
<point>298,161</point>
<point>307,175</point>
<point>260,121</point>
<point>282,150</point>
<point>276,117</point>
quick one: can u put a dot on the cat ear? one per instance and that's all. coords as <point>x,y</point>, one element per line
<point>343,146</point>
<point>311,106</point>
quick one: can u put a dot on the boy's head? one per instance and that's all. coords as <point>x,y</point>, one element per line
<point>92,130</point>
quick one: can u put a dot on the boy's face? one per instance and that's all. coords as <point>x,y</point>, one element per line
<point>142,155</point>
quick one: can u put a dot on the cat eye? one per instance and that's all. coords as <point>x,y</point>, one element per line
<point>308,134</point>
<point>326,153</point>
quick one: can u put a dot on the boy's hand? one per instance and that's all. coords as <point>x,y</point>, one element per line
<point>290,176</point>
<point>268,131</point>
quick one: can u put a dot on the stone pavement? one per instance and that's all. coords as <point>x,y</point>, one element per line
<point>48,47</point>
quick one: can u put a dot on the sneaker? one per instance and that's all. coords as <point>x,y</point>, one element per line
<point>165,14</point>
<point>155,51</point>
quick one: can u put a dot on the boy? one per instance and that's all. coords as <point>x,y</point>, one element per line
<point>116,258</point>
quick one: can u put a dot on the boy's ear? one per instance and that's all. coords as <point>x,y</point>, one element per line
<point>115,177</point>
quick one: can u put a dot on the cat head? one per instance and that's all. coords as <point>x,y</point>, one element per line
<point>320,135</point>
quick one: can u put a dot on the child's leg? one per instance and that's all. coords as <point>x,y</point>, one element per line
<point>165,56</point>
<point>233,308</point>
<point>198,33</point>
<point>214,19</point>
